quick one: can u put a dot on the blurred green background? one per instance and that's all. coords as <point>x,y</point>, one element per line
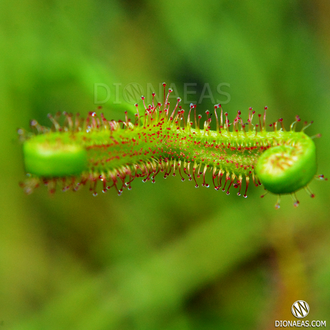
<point>163,256</point>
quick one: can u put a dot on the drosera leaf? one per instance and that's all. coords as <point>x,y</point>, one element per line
<point>171,141</point>
<point>55,159</point>
<point>285,169</point>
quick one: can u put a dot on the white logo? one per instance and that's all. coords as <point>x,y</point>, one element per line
<point>300,309</point>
